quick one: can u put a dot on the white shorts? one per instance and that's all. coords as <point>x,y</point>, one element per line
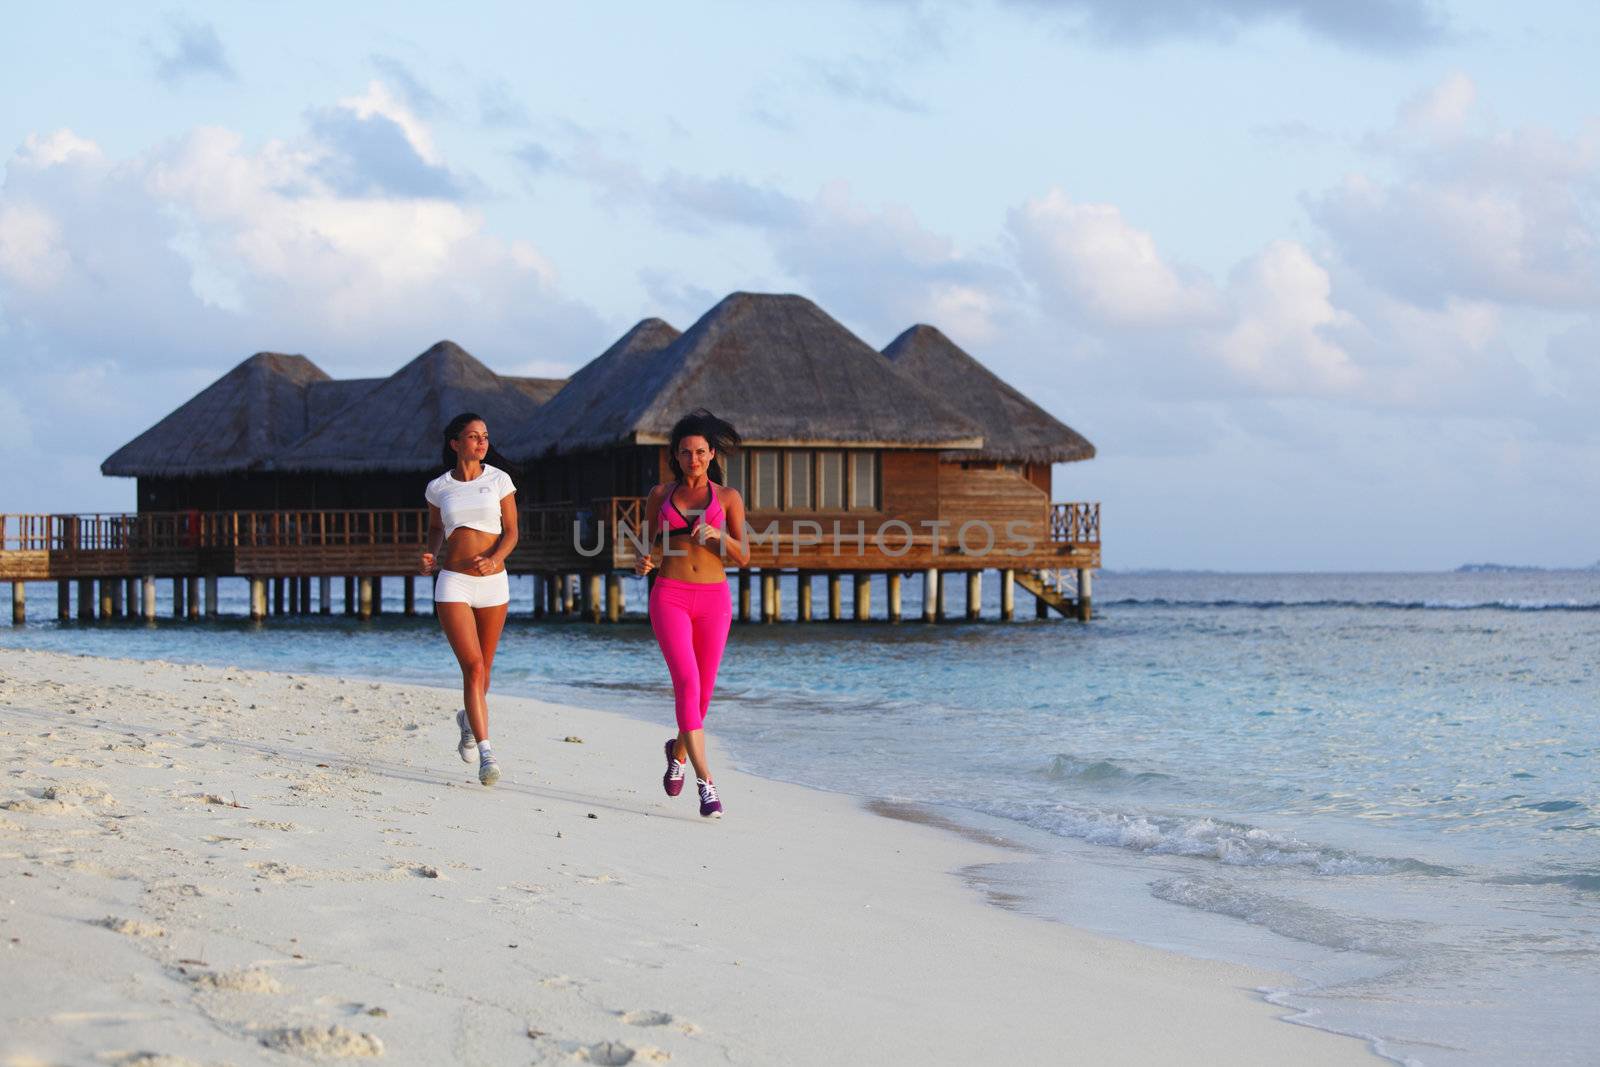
<point>486,591</point>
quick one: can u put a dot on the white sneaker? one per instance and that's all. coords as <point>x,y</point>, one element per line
<point>467,747</point>
<point>488,769</point>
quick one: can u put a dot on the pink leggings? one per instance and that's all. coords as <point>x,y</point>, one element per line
<point>691,623</point>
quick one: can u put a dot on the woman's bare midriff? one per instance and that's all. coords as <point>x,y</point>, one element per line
<point>691,562</point>
<point>462,545</point>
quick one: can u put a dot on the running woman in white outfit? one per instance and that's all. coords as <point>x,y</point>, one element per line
<point>472,528</point>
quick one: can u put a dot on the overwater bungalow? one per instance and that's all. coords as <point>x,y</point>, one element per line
<point>854,463</point>
<point>276,433</point>
<point>913,461</point>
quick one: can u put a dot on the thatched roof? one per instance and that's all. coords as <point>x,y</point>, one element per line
<point>582,415</point>
<point>776,366</point>
<point>539,390</point>
<point>396,424</point>
<point>1014,428</point>
<point>230,426</point>
<point>326,398</point>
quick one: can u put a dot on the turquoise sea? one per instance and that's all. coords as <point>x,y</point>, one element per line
<point>1384,785</point>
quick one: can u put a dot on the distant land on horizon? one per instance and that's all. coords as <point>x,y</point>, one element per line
<point>1509,568</point>
<point>1465,568</point>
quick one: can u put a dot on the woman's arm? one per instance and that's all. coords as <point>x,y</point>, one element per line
<point>652,506</point>
<point>508,535</point>
<point>733,539</point>
<point>430,557</point>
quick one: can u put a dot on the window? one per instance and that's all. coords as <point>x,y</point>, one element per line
<point>733,469</point>
<point>765,492</point>
<point>799,495</point>
<point>864,480</point>
<point>830,481</point>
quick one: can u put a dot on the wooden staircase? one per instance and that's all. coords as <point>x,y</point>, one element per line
<point>1045,587</point>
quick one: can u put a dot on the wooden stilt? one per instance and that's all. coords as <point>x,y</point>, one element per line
<point>19,602</point>
<point>835,597</point>
<point>147,594</point>
<point>291,595</point>
<point>893,582</point>
<point>769,596</point>
<point>277,596</point>
<point>305,594</point>
<point>213,607</point>
<point>350,594</point>
<point>1008,594</point>
<point>569,596</point>
<point>863,590</point>
<point>132,585</point>
<point>191,597</point>
<point>85,599</point>
<point>1041,608</point>
<point>974,595</point>
<point>411,595</point>
<point>744,596</point>
<point>591,597</point>
<point>613,596</point>
<point>105,597</point>
<point>115,586</point>
<point>258,597</point>
<point>178,585</point>
<point>802,596</point>
<point>64,599</point>
<point>540,590</point>
<point>364,597</point>
<point>1085,605</point>
<point>930,594</point>
<point>325,595</point>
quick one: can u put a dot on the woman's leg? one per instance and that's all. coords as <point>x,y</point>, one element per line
<point>461,629</point>
<point>491,622</point>
<point>711,622</point>
<point>669,619</point>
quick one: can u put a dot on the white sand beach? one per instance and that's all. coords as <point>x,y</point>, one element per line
<point>205,866</point>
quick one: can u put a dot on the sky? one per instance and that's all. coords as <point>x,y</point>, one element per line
<point>1319,278</point>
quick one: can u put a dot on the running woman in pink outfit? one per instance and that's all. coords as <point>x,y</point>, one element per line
<point>699,522</point>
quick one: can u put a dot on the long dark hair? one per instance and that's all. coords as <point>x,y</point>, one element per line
<point>720,435</point>
<point>452,430</point>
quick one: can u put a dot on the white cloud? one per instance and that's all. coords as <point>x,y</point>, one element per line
<point>1442,110</point>
<point>379,100</point>
<point>31,255</point>
<point>1087,259</point>
<point>1472,212</point>
<point>57,147</point>
<point>1280,336</point>
<point>127,283</point>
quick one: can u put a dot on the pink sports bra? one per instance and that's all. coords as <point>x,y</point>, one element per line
<point>713,513</point>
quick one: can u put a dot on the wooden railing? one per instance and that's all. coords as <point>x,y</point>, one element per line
<point>545,526</point>
<point>1075,524</point>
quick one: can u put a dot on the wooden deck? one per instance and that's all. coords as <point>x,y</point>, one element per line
<point>599,541</point>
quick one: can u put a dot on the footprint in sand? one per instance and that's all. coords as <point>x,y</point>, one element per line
<point>268,824</point>
<point>324,1042</point>
<point>130,927</point>
<point>615,1053</point>
<point>241,981</point>
<point>645,1018</point>
<point>153,1059</point>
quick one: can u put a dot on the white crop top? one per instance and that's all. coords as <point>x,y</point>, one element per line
<point>474,504</point>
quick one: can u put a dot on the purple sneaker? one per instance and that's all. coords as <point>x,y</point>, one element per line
<point>710,806</point>
<point>672,781</point>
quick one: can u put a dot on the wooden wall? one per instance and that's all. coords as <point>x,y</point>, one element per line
<point>993,495</point>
